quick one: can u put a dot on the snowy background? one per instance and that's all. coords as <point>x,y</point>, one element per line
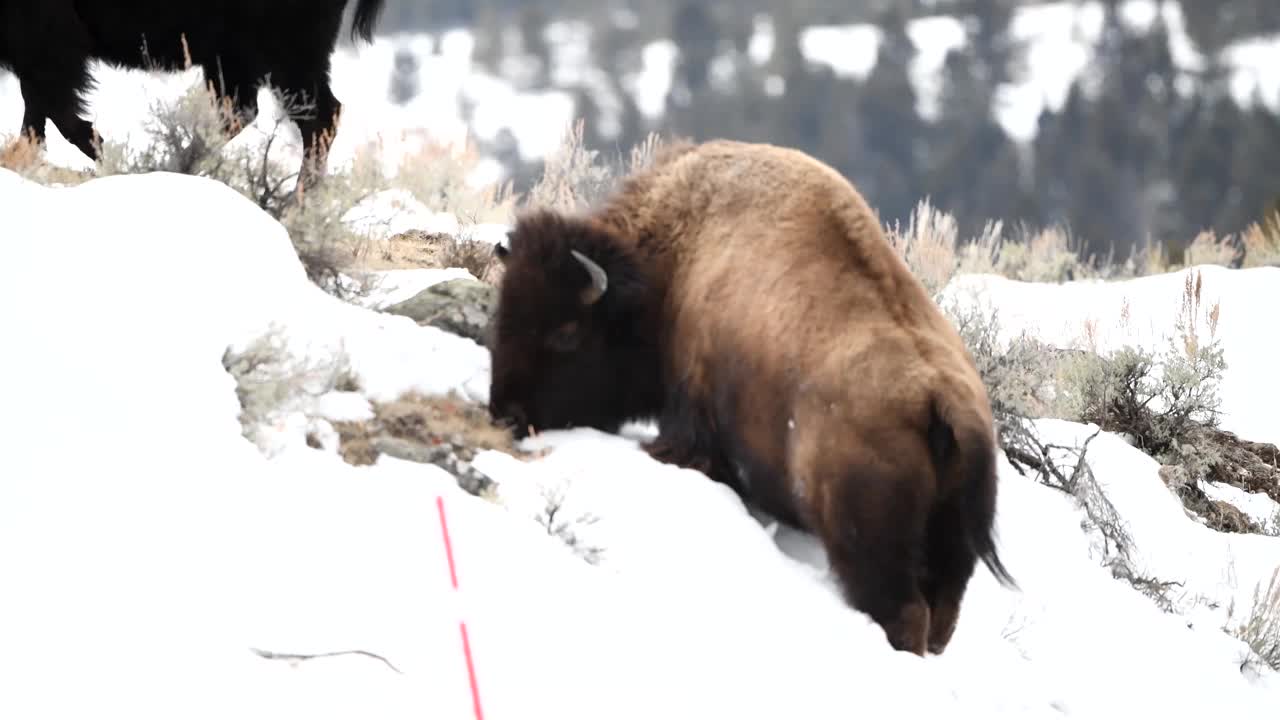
<point>1060,38</point>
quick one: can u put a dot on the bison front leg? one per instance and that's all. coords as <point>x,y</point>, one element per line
<point>680,452</point>
<point>686,443</point>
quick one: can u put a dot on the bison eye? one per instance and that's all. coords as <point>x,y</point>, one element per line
<point>564,338</point>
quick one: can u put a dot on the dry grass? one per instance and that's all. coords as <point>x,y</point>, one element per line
<point>429,420</point>
<point>1208,249</point>
<point>1262,243</point>
<point>928,245</point>
<point>1260,630</point>
<point>931,247</point>
<point>572,179</point>
<point>422,249</point>
<point>22,154</point>
<point>437,175</point>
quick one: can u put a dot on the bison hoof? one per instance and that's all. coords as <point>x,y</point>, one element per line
<point>665,452</point>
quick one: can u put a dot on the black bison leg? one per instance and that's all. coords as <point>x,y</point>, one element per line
<point>33,119</point>
<point>53,92</point>
<point>686,439</point>
<point>874,534</point>
<point>950,562</point>
<point>318,124</point>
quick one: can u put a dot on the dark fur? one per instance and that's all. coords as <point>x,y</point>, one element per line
<point>48,44</point>
<point>755,309</point>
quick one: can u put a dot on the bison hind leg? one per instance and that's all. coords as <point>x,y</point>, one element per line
<point>875,543</point>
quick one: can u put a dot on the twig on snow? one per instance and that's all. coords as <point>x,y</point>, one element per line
<point>296,657</point>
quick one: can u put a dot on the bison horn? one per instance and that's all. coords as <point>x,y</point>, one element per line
<point>599,279</point>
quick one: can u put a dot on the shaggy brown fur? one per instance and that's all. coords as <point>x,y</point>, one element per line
<point>754,307</point>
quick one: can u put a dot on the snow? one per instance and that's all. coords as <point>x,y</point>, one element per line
<point>146,546</point>
<point>849,50</point>
<point>1061,315</point>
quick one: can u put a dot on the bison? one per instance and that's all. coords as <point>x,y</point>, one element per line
<point>47,44</point>
<point>744,296</point>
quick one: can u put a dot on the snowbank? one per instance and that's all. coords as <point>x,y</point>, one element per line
<point>146,546</point>
<point>1058,314</point>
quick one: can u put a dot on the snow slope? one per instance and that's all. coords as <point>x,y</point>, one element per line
<point>146,546</point>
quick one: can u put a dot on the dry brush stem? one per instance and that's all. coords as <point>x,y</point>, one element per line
<point>1261,629</point>
<point>571,180</point>
<point>1208,249</point>
<point>928,245</point>
<point>294,658</point>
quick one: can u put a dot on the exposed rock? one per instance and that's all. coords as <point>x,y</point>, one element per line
<point>462,306</point>
<point>445,455</point>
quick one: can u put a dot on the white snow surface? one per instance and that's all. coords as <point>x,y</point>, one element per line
<point>146,546</point>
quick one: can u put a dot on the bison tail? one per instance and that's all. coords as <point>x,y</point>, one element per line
<point>963,448</point>
<point>366,17</point>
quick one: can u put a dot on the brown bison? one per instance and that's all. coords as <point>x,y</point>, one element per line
<point>238,44</point>
<point>745,297</point>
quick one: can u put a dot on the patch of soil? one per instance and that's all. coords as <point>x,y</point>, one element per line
<point>1251,466</point>
<point>1243,464</point>
<point>1217,514</point>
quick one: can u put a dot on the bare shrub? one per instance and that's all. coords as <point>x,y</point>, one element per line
<point>572,179</point>
<point>560,524</point>
<point>474,256</point>
<point>1020,378</point>
<point>438,176</point>
<point>188,137</point>
<point>272,382</point>
<point>1162,400</point>
<point>1260,629</point>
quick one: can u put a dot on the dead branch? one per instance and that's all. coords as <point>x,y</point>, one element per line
<point>296,657</point>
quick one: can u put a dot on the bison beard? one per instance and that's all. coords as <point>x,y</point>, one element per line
<point>745,297</point>
<point>237,43</point>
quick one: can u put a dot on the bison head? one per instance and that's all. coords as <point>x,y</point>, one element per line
<point>566,342</point>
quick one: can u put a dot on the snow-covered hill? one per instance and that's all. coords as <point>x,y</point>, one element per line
<point>147,547</point>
